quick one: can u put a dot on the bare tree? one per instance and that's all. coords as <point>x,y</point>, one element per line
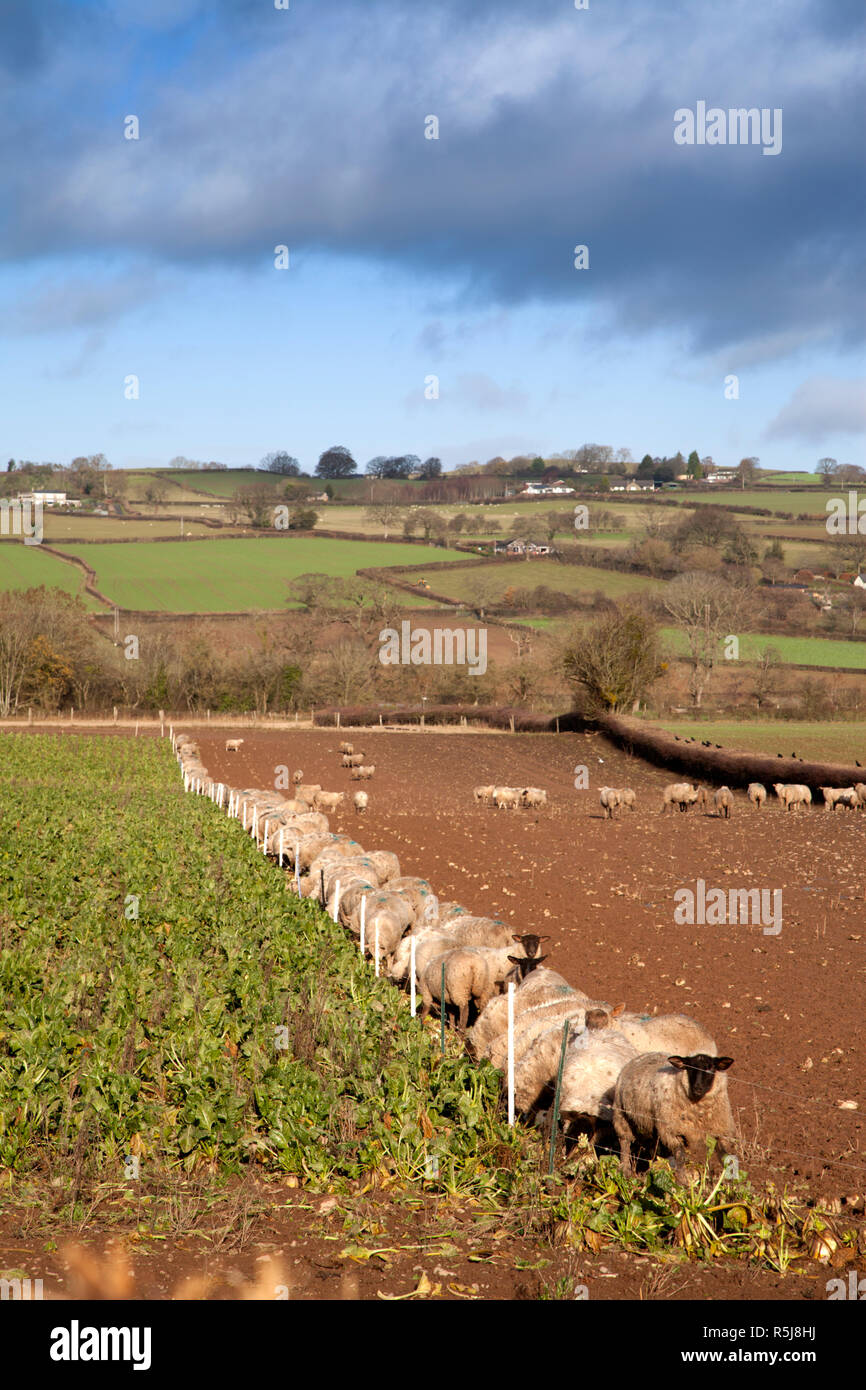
<point>707,610</point>
<point>615,661</point>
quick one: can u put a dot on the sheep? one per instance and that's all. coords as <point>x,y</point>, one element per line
<point>328,801</point>
<point>593,1062</point>
<point>359,801</point>
<point>539,987</point>
<point>506,798</point>
<point>386,863</point>
<point>609,799</point>
<point>627,797</point>
<point>355,759</point>
<point>484,795</point>
<point>346,748</point>
<point>792,794</point>
<point>391,914</point>
<point>427,945</point>
<point>307,791</point>
<point>757,794</point>
<point>723,800</point>
<point>481,931</point>
<point>684,795</point>
<point>233,745</point>
<point>860,791</point>
<point>467,981</point>
<point>538,1051</point>
<point>346,760</point>
<point>533,796</point>
<point>681,1101</point>
<point>839,796</point>
<point>297,777</point>
<point>418,893</point>
<point>363,774</point>
<point>661,1032</point>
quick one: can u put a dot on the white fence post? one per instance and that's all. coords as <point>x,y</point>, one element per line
<point>412,944</point>
<point>265,839</point>
<point>280,846</point>
<point>337,901</point>
<point>298,867</point>
<point>363,920</point>
<point>511,1052</point>
<point>376,946</point>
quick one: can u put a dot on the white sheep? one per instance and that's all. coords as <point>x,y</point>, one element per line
<point>360,800</point>
<point>609,799</point>
<point>723,800</point>
<point>792,795</point>
<point>346,748</point>
<point>297,777</point>
<point>757,794</point>
<point>681,794</point>
<point>593,1062</point>
<point>467,980</point>
<point>659,1033</point>
<point>680,1101</point>
<point>506,798</point>
<point>533,796</point>
<point>328,801</point>
<point>233,745</point>
<point>484,795</point>
<point>839,796</point>
<point>363,774</point>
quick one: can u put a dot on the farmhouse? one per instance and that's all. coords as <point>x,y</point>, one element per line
<point>523,547</point>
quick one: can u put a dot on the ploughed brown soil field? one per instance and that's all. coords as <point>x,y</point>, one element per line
<point>787,1007</point>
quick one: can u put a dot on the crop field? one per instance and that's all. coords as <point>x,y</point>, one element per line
<point>777,499</point>
<point>29,566</point>
<point>149,958</point>
<point>225,576</point>
<point>499,576</point>
<point>61,526</point>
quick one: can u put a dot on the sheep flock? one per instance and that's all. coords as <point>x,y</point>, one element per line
<point>655,1081</point>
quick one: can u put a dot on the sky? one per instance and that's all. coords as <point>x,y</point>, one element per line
<point>431,303</point>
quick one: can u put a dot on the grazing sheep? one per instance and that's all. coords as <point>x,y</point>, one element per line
<point>681,1101</point>
<point>346,760</point>
<point>386,863</point>
<point>328,801</point>
<point>297,777</point>
<point>427,945</point>
<point>391,915</point>
<point>757,794</point>
<point>359,801</point>
<point>365,773</point>
<point>609,798</point>
<point>839,796</point>
<point>506,798</point>
<point>539,987</point>
<point>860,790</point>
<point>233,745</point>
<point>593,1062</point>
<point>681,794</point>
<point>481,931</point>
<point>792,795</point>
<point>346,748</point>
<point>484,795</point>
<point>355,759</point>
<point>308,791</point>
<point>467,981</point>
<point>659,1033</point>
<point>723,800</point>
<point>538,1048</point>
<point>627,797</point>
<point>533,796</point>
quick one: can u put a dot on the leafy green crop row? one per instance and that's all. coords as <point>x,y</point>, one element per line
<point>226,1021</point>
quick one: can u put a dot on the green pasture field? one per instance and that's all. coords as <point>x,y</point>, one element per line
<point>837,741</point>
<point>777,500</point>
<point>236,575</point>
<point>29,566</point>
<point>799,651</point>
<point>162,993</point>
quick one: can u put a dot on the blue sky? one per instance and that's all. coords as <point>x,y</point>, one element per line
<point>414,257</point>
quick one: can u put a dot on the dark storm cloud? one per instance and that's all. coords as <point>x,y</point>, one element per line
<point>555,128</point>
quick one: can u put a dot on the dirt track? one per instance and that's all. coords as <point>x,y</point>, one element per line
<point>605,892</point>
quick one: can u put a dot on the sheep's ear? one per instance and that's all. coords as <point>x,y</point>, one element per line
<point>539,959</point>
<point>517,938</point>
<point>678,1062</point>
<point>515,960</point>
<point>615,1013</point>
<point>722,1063</point>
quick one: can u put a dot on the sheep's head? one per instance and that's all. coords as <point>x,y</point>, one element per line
<point>524,965</point>
<point>601,1018</point>
<point>530,942</point>
<point>700,1072</point>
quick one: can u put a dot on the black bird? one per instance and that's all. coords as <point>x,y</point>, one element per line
<point>856,764</point>
<point>677,739</point>
<point>794,755</point>
<point>718,745</point>
<point>778,755</point>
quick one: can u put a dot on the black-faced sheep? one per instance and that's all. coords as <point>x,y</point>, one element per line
<point>679,1101</point>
